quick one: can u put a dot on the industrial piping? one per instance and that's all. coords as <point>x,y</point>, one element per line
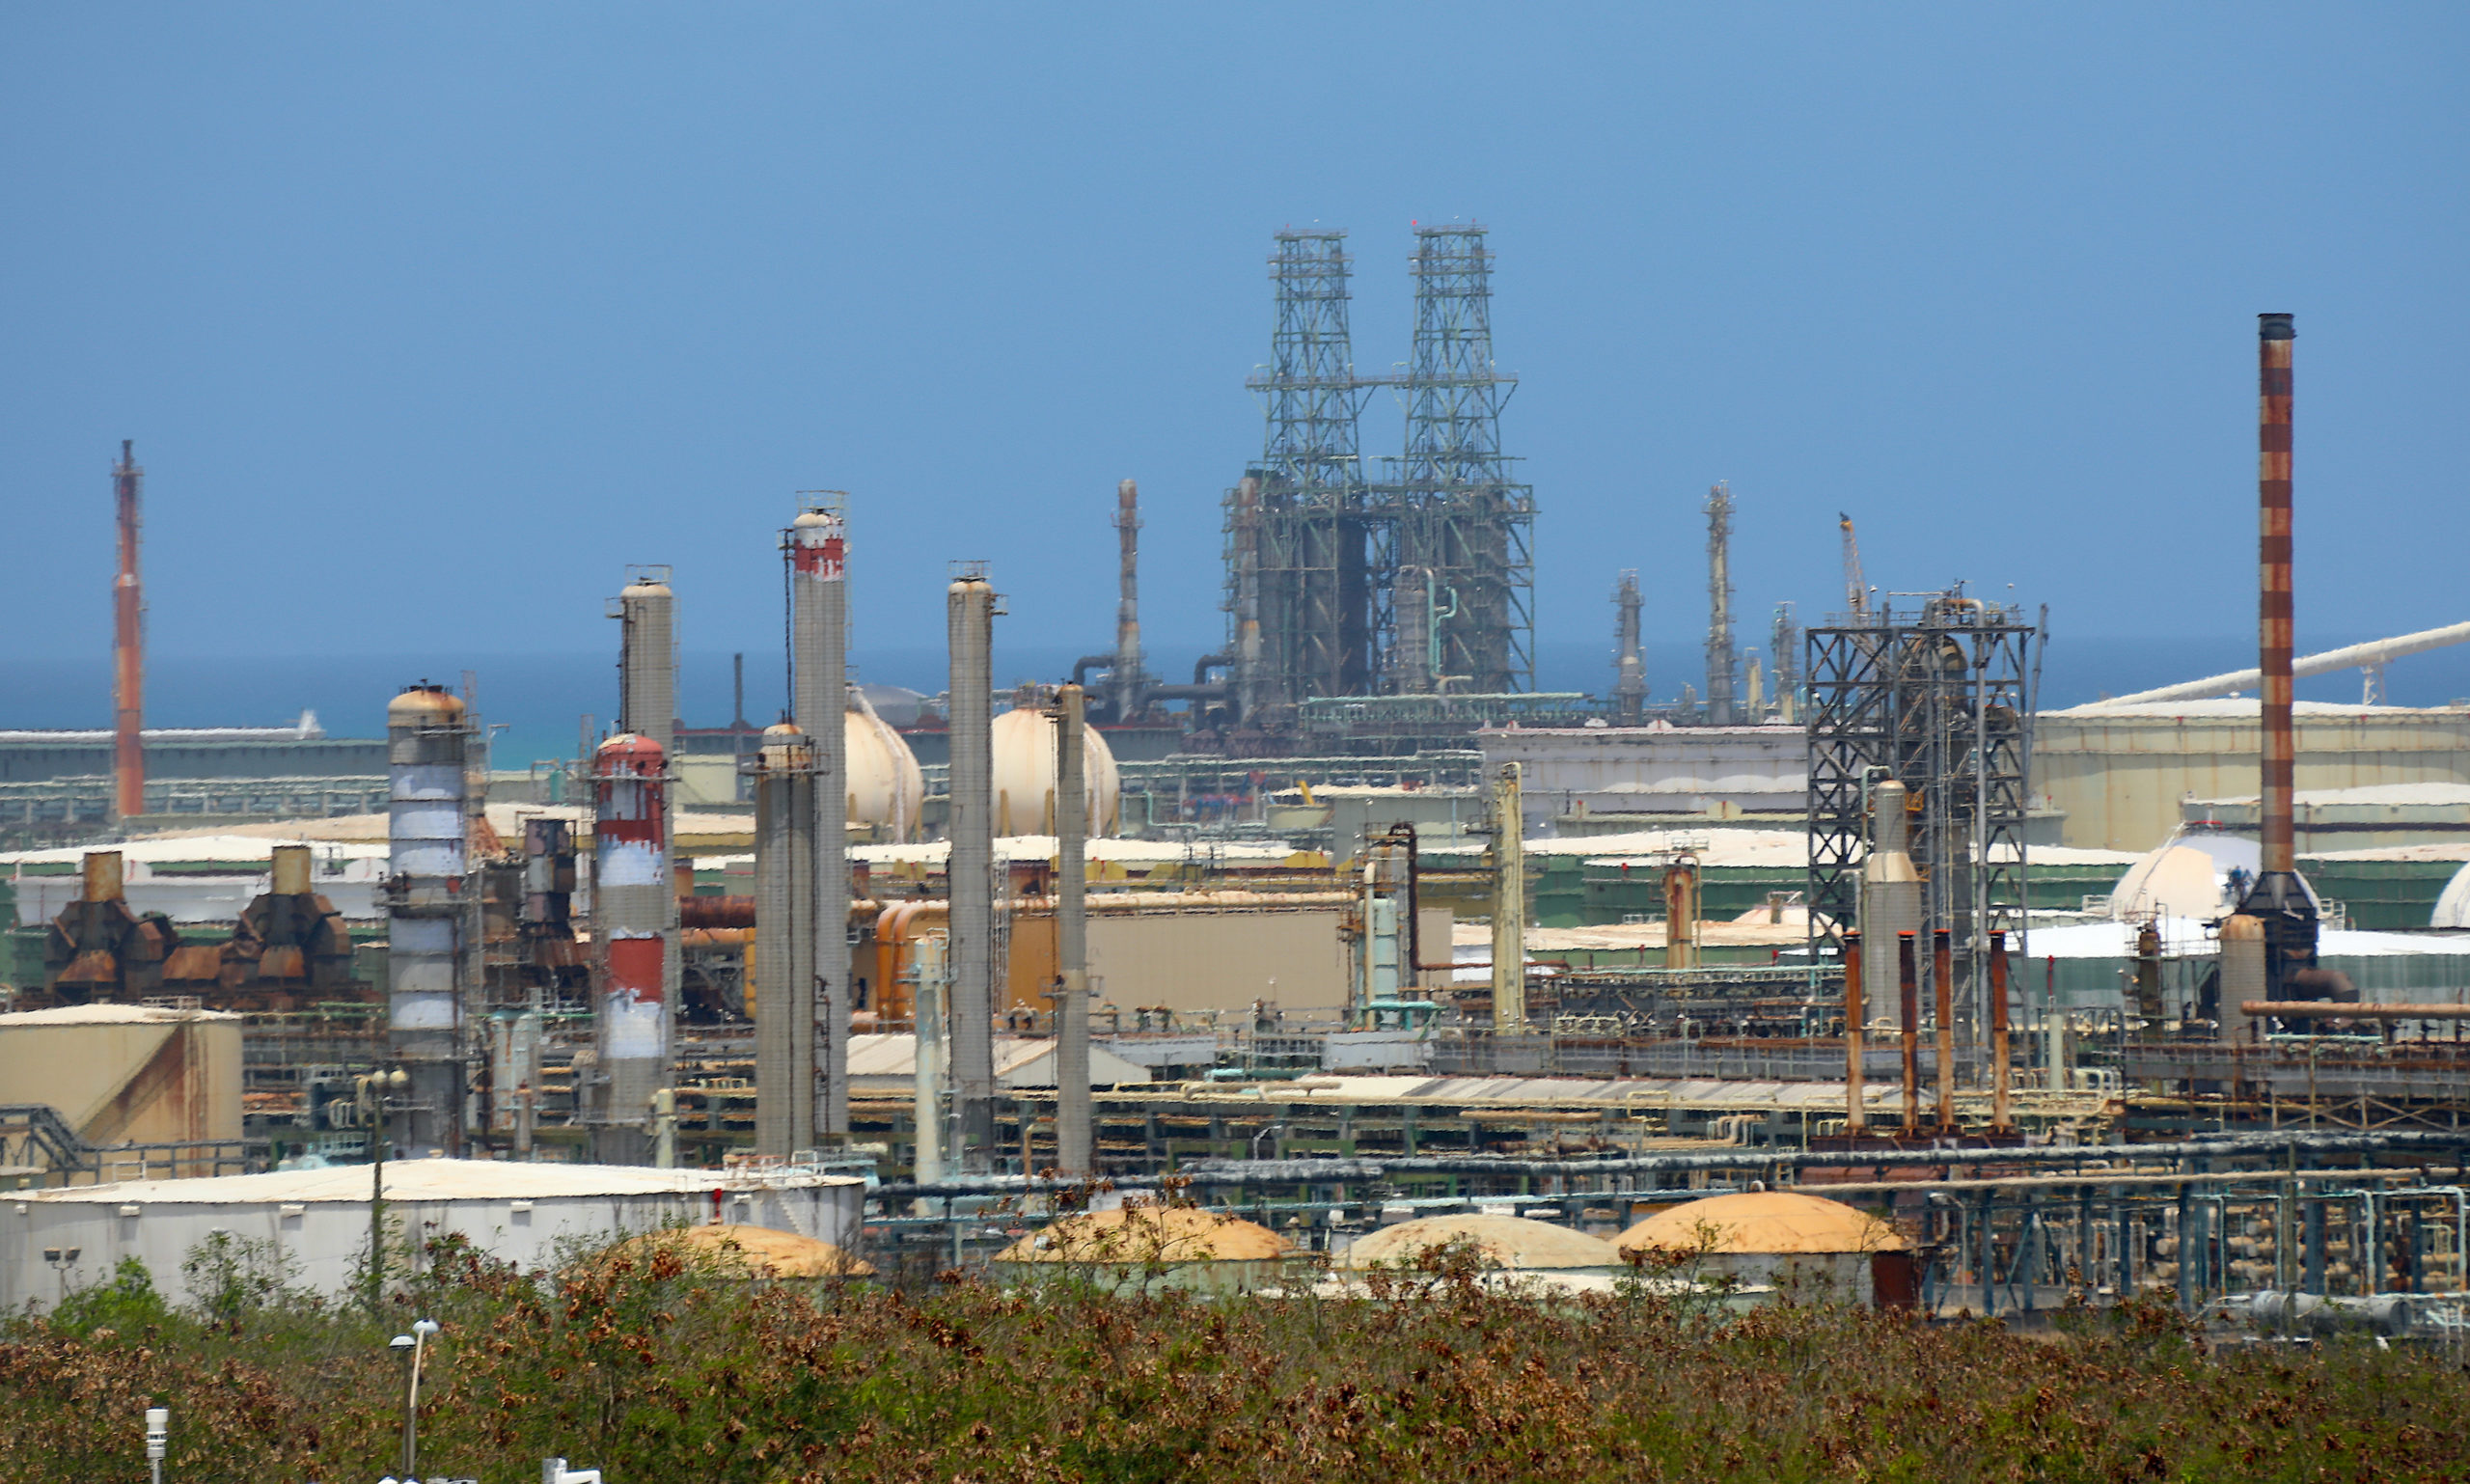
<point>1123,682</point>
<point>1942,985</point>
<point>969,613</point>
<point>1909,997</point>
<point>2364,656</point>
<point>1720,605</point>
<point>818,552</point>
<point>784,937</point>
<point>1857,1111</point>
<point>128,647</point>
<point>1074,1126</point>
<point>1628,666</point>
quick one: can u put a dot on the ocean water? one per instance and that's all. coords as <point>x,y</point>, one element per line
<point>534,702</point>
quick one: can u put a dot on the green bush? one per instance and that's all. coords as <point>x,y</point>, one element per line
<point>655,1368</point>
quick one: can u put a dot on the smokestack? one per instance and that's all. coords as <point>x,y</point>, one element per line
<point>817,549</point>
<point>648,707</point>
<point>1942,983</point>
<point>632,897</point>
<point>429,834</point>
<point>128,647</point>
<point>784,937</point>
<point>1681,913</point>
<point>2275,608</point>
<point>1628,664</point>
<point>1857,1111</point>
<point>2278,899</point>
<point>1907,982</point>
<point>1720,605</point>
<point>1074,1134</point>
<point>1509,904</point>
<point>969,612</point>
<point>1123,682</point>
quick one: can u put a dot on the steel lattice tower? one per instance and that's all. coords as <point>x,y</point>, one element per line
<point>1313,549</point>
<point>1457,510</point>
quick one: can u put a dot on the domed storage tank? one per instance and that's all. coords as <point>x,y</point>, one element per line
<point>1781,1237</point>
<point>887,788</point>
<point>1024,746</point>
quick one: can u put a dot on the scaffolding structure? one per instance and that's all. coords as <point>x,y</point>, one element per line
<point>1938,699</point>
<point>1420,583</point>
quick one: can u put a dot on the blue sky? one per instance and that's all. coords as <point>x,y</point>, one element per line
<point>429,319</point>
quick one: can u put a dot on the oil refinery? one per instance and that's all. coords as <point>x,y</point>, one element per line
<point>1353,928</point>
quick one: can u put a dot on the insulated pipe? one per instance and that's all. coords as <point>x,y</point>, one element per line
<point>128,646</point>
<point>2002,1117</point>
<point>818,552</point>
<point>1856,1113</point>
<point>1072,1123</point>
<point>2318,1009</point>
<point>2350,657</point>
<point>1908,994</point>
<point>2275,605</point>
<point>970,614</point>
<point>784,855</point>
<point>1942,982</point>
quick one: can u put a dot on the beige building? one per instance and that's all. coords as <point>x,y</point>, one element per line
<point>127,1074</point>
<point>1293,958</point>
<point>2120,773</point>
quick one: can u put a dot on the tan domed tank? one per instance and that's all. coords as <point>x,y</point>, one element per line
<point>1024,739</point>
<point>887,788</point>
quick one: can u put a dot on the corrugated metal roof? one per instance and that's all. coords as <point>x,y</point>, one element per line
<point>109,1015</point>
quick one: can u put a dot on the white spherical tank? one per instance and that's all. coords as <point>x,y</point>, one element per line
<point>887,789</point>
<point>1024,739</point>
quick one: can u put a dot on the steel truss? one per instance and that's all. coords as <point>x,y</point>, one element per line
<point>1939,700</point>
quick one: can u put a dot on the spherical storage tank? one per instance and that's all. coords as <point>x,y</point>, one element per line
<point>887,788</point>
<point>1024,739</point>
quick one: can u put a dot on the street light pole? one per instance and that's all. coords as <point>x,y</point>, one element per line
<point>371,1094</point>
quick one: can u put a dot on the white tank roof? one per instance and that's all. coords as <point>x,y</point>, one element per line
<point>1024,746</point>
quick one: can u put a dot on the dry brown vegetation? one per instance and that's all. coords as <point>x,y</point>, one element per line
<point>661,1370</point>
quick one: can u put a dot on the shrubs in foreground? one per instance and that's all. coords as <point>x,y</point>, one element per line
<point>660,1369</point>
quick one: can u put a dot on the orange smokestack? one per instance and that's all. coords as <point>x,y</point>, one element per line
<point>128,649</point>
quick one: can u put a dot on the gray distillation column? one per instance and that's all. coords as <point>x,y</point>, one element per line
<point>971,612</point>
<point>648,707</point>
<point>819,640</point>
<point>1073,1140</point>
<point>429,832</point>
<point>785,1080</point>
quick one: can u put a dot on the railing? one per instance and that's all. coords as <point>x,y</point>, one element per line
<point>35,1137</point>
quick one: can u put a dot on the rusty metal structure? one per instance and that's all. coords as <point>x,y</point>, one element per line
<point>97,950</point>
<point>1937,698</point>
<point>128,646</point>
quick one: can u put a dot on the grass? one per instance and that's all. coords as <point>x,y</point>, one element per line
<point>660,1369</point>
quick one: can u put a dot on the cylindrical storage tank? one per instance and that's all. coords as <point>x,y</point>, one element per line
<point>784,966</point>
<point>2242,972</point>
<point>1023,745</point>
<point>631,882</point>
<point>1890,887</point>
<point>290,870</point>
<point>428,843</point>
<point>887,788</point>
